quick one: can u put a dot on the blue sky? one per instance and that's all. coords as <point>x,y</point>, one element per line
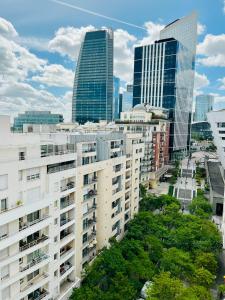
<point>40,40</point>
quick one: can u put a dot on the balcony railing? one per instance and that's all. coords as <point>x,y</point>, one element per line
<point>65,268</point>
<point>70,185</point>
<point>33,243</point>
<point>66,203</point>
<point>63,234</point>
<point>33,281</point>
<point>42,295</point>
<point>25,225</point>
<point>64,221</point>
<point>90,180</point>
<point>88,150</point>
<point>34,262</point>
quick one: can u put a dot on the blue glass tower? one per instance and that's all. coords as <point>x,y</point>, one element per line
<point>164,77</point>
<point>116,94</point>
<point>93,84</point>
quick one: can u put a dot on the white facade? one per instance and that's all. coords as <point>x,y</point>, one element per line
<point>62,196</point>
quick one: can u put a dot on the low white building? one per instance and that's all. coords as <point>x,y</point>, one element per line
<point>62,197</point>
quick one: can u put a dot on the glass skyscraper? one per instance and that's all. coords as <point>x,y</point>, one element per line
<point>93,83</point>
<point>36,117</point>
<point>116,95</point>
<point>127,98</point>
<point>164,77</point>
<point>203,105</point>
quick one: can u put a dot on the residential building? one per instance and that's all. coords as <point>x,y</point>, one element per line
<point>216,168</point>
<point>203,105</point>
<point>164,78</point>
<point>63,195</point>
<point>127,101</point>
<point>116,93</point>
<point>155,128</point>
<point>93,83</point>
<point>36,117</point>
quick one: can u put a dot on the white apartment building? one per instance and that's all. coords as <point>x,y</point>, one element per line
<point>62,196</point>
<point>152,123</point>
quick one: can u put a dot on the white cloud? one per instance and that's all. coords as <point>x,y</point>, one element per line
<point>16,61</point>
<point>7,29</point>
<point>201,28</point>
<point>55,75</point>
<point>123,54</point>
<point>222,82</point>
<point>153,32</point>
<point>212,48</point>
<point>201,81</point>
<point>67,41</point>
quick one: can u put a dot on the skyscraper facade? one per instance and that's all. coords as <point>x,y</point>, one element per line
<point>127,98</point>
<point>36,117</point>
<point>116,92</point>
<point>164,77</point>
<point>203,105</point>
<point>93,83</point>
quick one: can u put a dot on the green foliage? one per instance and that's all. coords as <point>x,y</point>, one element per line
<point>161,245</point>
<point>201,207</point>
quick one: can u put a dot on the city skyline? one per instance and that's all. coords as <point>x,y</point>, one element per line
<point>39,52</point>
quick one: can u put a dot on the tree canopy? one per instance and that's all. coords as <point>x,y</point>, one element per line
<point>177,252</point>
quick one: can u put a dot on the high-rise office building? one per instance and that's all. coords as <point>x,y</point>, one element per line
<point>127,98</point>
<point>116,94</point>
<point>36,117</point>
<point>203,105</point>
<point>93,83</point>
<point>164,77</point>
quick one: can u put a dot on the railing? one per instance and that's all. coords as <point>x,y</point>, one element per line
<point>64,234</point>
<point>90,181</point>
<point>34,280</point>
<point>33,243</point>
<point>10,208</point>
<point>66,203</point>
<point>34,262</point>
<point>4,236</point>
<point>70,185</point>
<point>65,268</point>
<point>88,150</point>
<point>28,224</point>
<point>64,221</point>
<point>65,251</point>
<point>42,295</point>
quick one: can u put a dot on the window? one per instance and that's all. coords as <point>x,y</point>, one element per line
<point>3,182</point>
<point>55,256</point>
<point>55,239</point>
<point>221,131</point>
<point>33,174</point>
<point>3,204</point>
<point>22,154</point>
<point>56,273</point>
<point>56,221</point>
<point>221,124</point>
<point>3,231</point>
<point>85,238</point>
<point>32,275</point>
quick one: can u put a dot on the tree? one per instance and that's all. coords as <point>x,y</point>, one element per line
<point>203,277</point>
<point>207,261</point>
<point>201,207</point>
<point>165,287</point>
<point>177,262</point>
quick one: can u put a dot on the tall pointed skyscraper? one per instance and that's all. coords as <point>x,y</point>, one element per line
<point>164,77</point>
<point>93,83</point>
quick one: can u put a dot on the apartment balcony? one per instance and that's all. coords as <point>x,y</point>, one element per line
<point>90,180</point>
<point>66,288</point>
<point>42,295</point>
<point>25,225</point>
<point>66,251</point>
<point>90,195</point>
<point>25,246</point>
<point>89,150</point>
<point>37,280</point>
<point>34,262</point>
<point>117,169</point>
<point>68,186</point>
<point>65,267</point>
<point>65,221</point>
<point>66,203</point>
